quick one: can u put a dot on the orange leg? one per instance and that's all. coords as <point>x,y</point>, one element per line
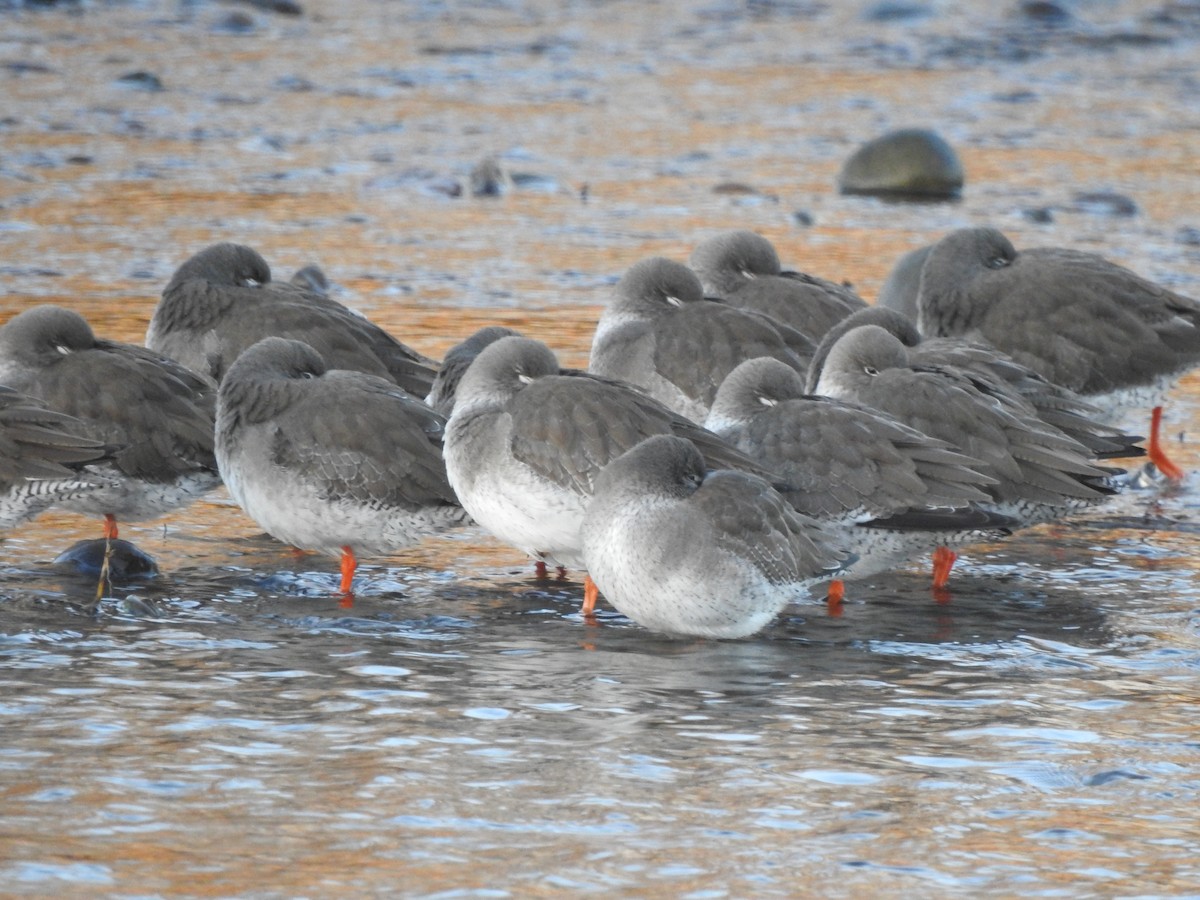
<point>349,564</point>
<point>110,526</point>
<point>833,600</point>
<point>591,594</point>
<point>943,562</point>
<point>1156,453</point>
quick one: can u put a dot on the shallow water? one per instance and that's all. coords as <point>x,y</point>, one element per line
<point>228,729</point>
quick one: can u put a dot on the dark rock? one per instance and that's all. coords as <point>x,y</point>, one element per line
<point>1104,203</point>
<point>141,81</point>
<point>236,22</point>
<point>127,562</point>
<point>489,179</point>
<point>1024,96</point>
<point>734,187</point>
<point>283,7</point>
<point>803,218</point>
<point>1189,236</point>
<point>294,83</point>
<point>20,67</point>
<point>139,607</point>
<point>1046,12</point>
<point>896,11</point>
<point>1042,215</point>
<point>911,162</point>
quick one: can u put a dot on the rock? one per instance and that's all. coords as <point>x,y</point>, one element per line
<point>236,22</point>
<point>141,81</point>
<point>896,11</point>
<point>1046,13</point>
<point>283,7</point>
<point>489,179</point>
<point>1188,235</point>
<point>127,563</point>
<point>911,162</point>
<point>1104,203</point>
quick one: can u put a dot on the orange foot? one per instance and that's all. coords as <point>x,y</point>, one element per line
<point>110,526</point>
<point>349,564</point>
<point>833,600</point>
<point>943,562</point>
<point>591,594</point>
<point>1156,453</point>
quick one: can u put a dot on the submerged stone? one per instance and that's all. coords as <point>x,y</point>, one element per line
<point>127,563</point>
<point>1104,203</point>
<point>912,162</point>
<point>141,81</point>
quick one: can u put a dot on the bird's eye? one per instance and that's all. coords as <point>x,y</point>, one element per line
<point>251,282</point>
<point>765,400</point>
<point>523,378</point>
<point>871,370</point>
<point>62,348</point>
<point>997,262</point>
<point>308,373</point>
<point>672,300</point>
<point>747,273</point>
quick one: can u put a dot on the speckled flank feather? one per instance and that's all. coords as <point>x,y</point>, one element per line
<point>42,458</point>
<point>323,459</point>
<point>157,415</point>
<point>685,552</point>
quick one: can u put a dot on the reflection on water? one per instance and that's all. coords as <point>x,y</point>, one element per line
<point>464,734</point>
<point>225,728</point>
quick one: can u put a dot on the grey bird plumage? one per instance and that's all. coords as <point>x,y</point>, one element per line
<point>527,440</point>
<point>326,459</point>
<point>903,283</point>
<point>455,363</point>
<point>659,332</point>
<point>157,412</point>
<point>1076,318</point>
<point>223,300</point>
<point>895,491</point>
<point>743,269</point>
<point>43,458</point>
<point>1041,473</point>
<point>685,550</point>
<point>1053,404</point>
